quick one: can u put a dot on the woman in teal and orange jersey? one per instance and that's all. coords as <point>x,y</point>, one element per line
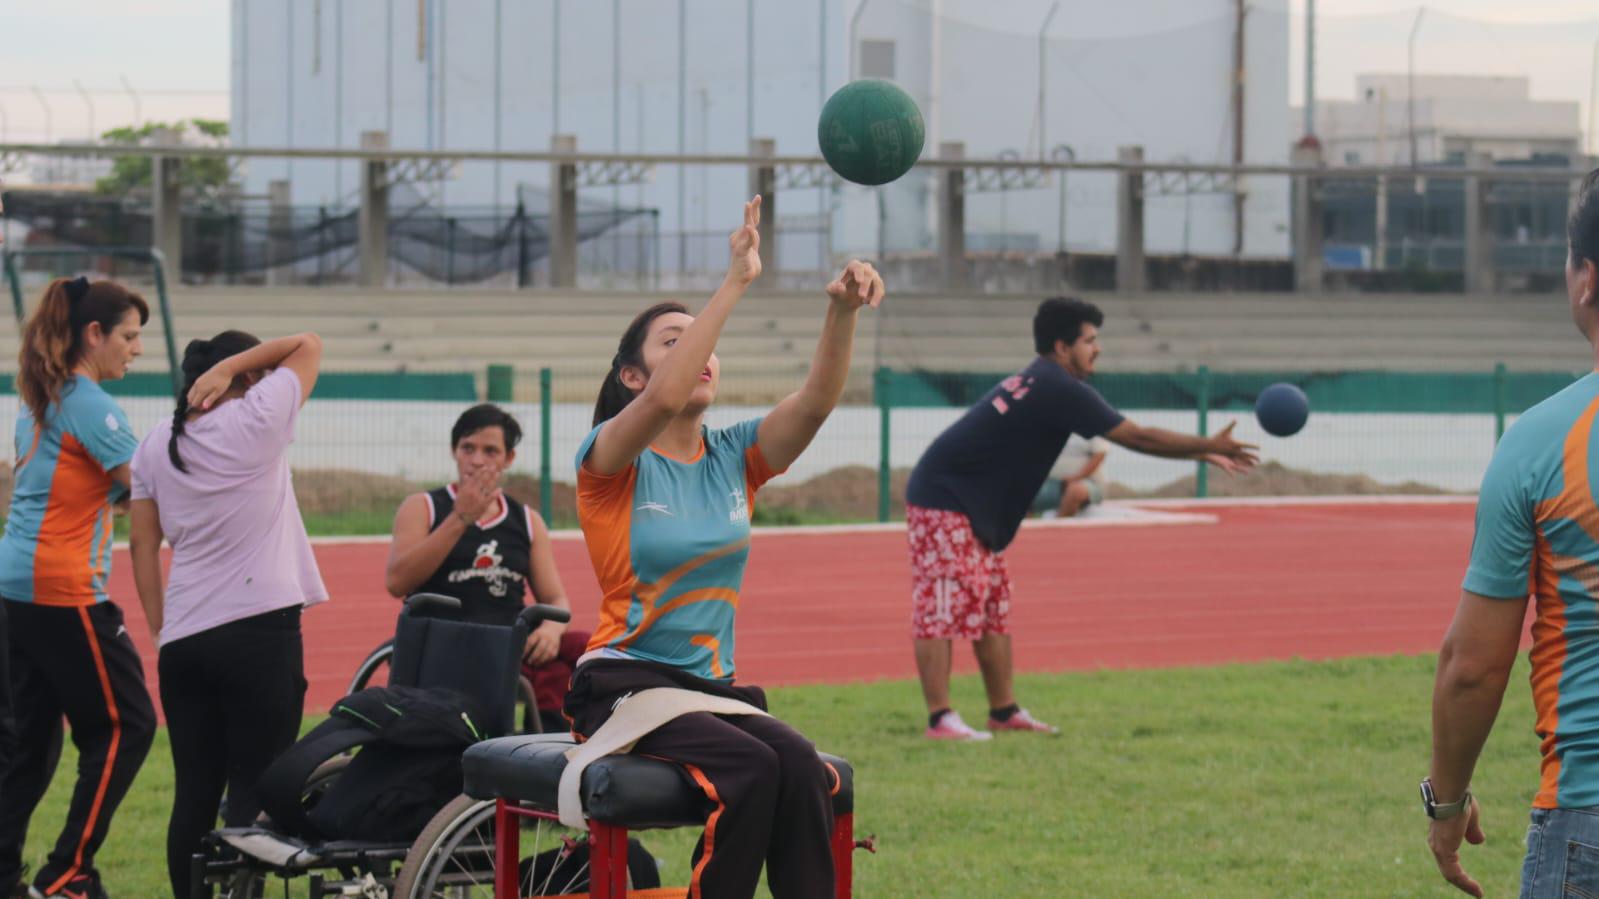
<point>665,505</point>
<point>70,652</point>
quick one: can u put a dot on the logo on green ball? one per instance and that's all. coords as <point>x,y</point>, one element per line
<point>870,132</point>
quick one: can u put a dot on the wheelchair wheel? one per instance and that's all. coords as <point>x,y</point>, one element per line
<point>454,856</point>
<point>375,662</point>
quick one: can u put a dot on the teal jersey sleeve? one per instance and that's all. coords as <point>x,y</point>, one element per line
<point>584,447</point>
<point>92,417</point>
<point>1501,548</point>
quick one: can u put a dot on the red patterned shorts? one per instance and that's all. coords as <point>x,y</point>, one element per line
<point>959,589</point>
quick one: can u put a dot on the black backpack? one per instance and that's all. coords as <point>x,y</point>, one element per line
<point>408,765</point>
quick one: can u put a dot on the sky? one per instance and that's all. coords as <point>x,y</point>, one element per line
<point>175,53</point>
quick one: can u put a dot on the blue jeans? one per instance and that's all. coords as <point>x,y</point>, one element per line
<point>1562,854</point>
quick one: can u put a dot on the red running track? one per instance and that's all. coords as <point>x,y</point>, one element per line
<point>1265,582</point>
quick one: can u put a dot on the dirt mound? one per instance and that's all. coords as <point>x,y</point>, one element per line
<point>850,493</point>
<point>1275,479</point>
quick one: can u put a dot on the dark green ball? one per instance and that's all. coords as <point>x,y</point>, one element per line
<point>870,132</point>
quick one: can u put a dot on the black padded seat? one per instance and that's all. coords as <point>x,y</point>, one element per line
<point>625,790</point>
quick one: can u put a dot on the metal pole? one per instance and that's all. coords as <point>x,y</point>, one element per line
<point>443,54</point>
<point>1238,124</point>
<point>853,51</point>
<point>1499,401</point>
<point>89,102</point>
<point>616,92</point>
<point>1593,74</point>
<point>1310,67</point>
<point>427,49</point>
<point>555,67</point>
<point>288,73</point>
<point>49,119</point>
<point>546,489</point>
<point>749,72</point>
<point>498,44</point>
<point>1063,152</point>
<point>1202,475</point>
<point>1042,57</point>
<point>388,67</point>
<point>138,107</point>
<point>338,99</point>
<point>885,458</point>
<point>682,135</point>
<point>244,78</point>
<point>1410,84</point>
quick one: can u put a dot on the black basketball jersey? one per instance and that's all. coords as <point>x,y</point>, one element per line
<point>487,569</point>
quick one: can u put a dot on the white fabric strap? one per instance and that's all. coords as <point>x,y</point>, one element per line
<point>634,717</point>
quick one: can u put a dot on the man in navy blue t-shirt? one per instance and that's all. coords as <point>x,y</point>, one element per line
<point>972,488</point>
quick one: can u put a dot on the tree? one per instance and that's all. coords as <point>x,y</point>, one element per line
<point>206,177</point>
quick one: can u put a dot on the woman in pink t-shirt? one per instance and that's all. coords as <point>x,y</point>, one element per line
<point>214,483</point>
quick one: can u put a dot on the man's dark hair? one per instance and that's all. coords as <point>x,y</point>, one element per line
<point>1062,318</point>
<point>1582,228</point>
<point>486,415</point>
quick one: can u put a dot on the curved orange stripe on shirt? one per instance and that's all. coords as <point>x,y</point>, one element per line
<point>605,511</point>
<point>715,646</point>
<point>1575,499</point>
<point>1548,657</point>
<point>654,614</point>
<point>64,559</point>
<point>649,593</point>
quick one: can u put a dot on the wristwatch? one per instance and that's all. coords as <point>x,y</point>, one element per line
<point>1441,811</point>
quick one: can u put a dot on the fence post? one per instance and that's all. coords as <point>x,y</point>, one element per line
<point>500,379</point>
<point>885,472</point>
<point>1499,401</point>
<point>1202,475</point>
<point>546,491</point>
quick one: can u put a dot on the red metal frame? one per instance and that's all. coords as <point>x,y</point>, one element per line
<point>608,853</point>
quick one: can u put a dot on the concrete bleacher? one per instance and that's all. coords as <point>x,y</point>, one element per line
<point>769,342</point>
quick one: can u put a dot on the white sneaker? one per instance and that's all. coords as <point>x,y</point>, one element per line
<point>951,727</point>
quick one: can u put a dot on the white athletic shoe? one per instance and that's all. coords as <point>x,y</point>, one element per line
<point>951,727</point>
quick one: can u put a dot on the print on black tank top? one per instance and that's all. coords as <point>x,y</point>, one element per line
<point>487,568</point>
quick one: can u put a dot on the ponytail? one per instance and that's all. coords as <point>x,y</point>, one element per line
<point>52,341</point>
<point>199,357</point>
<point>614,395</point>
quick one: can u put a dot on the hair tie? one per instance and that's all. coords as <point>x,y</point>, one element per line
<point>77,288</point>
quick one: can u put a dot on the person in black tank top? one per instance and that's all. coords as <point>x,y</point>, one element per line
<point>471,541</point>
<point>487,568</point>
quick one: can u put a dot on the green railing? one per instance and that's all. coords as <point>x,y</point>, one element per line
<point>367,439</point>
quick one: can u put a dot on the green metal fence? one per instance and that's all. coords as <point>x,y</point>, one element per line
<point>367,439</point>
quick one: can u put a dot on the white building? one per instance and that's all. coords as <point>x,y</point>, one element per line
<point>486,74</point>
<point>1455,116</point>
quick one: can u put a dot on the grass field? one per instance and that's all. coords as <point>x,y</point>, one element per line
<point>1291,779</point>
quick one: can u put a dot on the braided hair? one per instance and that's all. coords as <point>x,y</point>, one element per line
<point>199,357</point>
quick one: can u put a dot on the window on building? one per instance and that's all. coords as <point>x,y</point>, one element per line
<point>1352,157</point>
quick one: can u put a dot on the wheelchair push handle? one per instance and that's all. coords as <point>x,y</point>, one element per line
<point>436,602</point>
<point>536,614</point>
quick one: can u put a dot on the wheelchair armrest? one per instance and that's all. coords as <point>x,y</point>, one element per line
<point>533,615</point>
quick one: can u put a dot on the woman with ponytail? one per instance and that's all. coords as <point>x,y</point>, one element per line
<point>70,653</point>
<point>665,503</point>
<point>214,483</point>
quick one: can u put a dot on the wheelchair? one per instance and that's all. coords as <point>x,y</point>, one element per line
<point>373,671</point>
<point>428,651</point>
